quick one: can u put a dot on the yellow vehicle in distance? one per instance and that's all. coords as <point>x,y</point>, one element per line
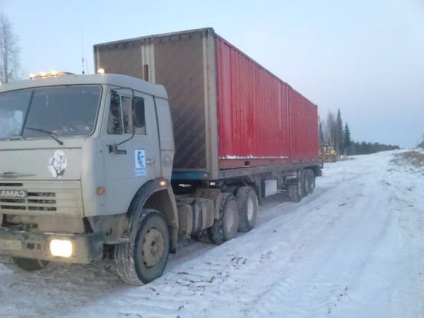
<point>327,153</point>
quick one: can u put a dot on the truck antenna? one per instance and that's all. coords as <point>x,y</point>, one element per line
<point>82,51</point>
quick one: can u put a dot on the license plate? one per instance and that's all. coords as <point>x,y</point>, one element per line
<point>11,245</point>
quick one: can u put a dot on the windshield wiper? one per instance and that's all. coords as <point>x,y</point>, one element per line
<point>50,133</point>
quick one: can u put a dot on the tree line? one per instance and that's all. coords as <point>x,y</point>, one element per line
<point>334,133</point>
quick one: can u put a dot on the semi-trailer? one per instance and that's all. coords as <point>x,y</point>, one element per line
<point>182,136</point>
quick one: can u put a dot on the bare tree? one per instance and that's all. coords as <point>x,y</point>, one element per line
<point>333,131</point>
<point>329,128</point>
<point>9,52</point>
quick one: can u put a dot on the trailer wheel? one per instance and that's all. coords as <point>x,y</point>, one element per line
<point>225,228</point>
<point>30,264</point>
<point>309,181</point>
<point>312,182</point>
<point>247,202</point>
<point>296,190</point>
<point>306,182</point>
<point>144,257</point>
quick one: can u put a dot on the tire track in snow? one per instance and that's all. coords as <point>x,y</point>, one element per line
<point>312,284</point>
<point>320,285</point>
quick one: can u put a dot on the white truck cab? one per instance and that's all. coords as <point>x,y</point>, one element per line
<point>82,157</point>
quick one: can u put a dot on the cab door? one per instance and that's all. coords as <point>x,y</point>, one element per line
<point>130,147</point>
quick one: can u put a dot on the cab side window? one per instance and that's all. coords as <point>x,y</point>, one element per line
<point>139,116</point>
<point>114,126</point>
<point>125,117</point>
<point>128,118</point>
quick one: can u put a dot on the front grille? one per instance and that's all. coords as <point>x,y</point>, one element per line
<point>47,198</point>
<point>2,184</point>
<point>36,201</point>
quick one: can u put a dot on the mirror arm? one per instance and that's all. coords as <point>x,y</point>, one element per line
<point>114,149</point>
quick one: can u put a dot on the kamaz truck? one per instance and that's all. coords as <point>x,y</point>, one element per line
<point>182,135</point>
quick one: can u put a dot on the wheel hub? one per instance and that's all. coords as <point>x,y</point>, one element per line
<point>152,247</point>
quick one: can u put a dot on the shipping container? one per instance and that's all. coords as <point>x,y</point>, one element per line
<point>228,111</point>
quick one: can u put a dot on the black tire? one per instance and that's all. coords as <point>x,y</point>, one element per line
<point>30,264</point>
<point>312,180</point>
<point>225,228</point>
<point>309,181</point>
<point>247,202</point>
<point>144,258</point>
<point>297,190</point>
<point>306,182</point>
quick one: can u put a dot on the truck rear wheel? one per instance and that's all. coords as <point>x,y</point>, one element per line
<point>247,202</point>
<point>30,264</point>
<point>144,258</point>
<point>225,228</point>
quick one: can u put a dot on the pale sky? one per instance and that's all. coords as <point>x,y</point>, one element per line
<point>365,57</point>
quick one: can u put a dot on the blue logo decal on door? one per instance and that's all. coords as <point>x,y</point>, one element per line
<point>140,163</point>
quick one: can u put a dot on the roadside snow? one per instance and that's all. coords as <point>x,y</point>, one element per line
<point>353,248</point>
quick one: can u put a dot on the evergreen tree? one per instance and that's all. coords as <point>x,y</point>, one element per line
<point>339,134</point>
<point>346,140</point>
<point>321,134</point>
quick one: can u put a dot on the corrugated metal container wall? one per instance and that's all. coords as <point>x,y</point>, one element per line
<point>179,62</point>
<point>120,57</point>
<point>252,111</point>
<point>303,128</point>
<point>180,66</point>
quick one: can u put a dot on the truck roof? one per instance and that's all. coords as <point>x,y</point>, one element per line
<point>109,79</point>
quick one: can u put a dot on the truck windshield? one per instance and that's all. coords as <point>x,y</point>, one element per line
<point>49,111</point>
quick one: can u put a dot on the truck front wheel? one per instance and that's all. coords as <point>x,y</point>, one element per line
<point>225,228</point>
<point>144,258</point>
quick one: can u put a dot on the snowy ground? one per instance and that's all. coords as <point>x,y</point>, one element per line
<point>354,248</point>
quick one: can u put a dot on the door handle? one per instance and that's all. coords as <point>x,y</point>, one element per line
<point>150,161</point>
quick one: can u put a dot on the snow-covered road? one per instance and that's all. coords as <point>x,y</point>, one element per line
<point>353,248</point>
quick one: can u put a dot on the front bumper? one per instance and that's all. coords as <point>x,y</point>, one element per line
<point>36,245</point>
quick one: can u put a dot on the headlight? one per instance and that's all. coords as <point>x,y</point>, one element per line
<point>62,248</point>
